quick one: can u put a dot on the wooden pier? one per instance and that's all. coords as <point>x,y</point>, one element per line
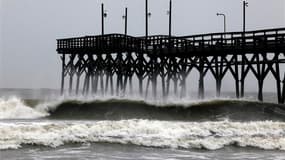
<point>108,64</point>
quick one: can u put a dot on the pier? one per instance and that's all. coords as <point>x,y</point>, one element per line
<point>111,63</point>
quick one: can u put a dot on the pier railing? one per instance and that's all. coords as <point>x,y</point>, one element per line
<point>101,43</point>
<point>232,42</point>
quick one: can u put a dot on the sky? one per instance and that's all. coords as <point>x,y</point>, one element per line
<point>29,28</point>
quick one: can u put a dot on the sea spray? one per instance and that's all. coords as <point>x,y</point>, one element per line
<point>14,108</point>
<point>187,135</point>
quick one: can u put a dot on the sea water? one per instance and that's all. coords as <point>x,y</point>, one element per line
<point>46,126</point>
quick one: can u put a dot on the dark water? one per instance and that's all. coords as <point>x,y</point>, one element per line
<point>213,110</point>
<point>40,125</point>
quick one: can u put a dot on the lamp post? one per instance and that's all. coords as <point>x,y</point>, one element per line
<point>146,19</point>
<point>147,15</point>
<point>245,4</point>
<point>103,15</point>
<point>169,12</point>
<point>125,17</point>
<point>222,14</point>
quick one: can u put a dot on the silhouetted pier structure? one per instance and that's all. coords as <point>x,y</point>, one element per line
<point>109,63</point>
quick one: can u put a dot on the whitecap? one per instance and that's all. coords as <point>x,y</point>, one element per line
<point>187,135</point>
<point>14,108</point>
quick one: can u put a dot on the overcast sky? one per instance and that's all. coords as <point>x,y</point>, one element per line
<point>29,28</point>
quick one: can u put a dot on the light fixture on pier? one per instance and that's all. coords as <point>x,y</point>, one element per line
<point>224,15</point>
<point>105,14</point>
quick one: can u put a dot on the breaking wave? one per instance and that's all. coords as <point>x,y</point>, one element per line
<point>124,109</point>
<point>15,108</point>
<point>212,110</point>
<point>211,124</point>
<point>149,133</point>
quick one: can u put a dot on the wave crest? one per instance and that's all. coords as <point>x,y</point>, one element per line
<point>14,108</point>
<point>123,109</point>
<point>119,109</point>
<point>187,135</point>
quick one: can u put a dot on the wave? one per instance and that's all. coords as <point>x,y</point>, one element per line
<point>148,133</point>
<point>15,108</point>
<point>121,109</point>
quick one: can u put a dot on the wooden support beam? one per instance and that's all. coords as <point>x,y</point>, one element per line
<point>243,75</point>
<point>146,88</point>
<point>111,85</point>
<point>107,82</point>
<point>62,74</point>
<point>163,86</point>
<point>154,87</point>
<point>77,84</point>
<point>219,70</point>
<point>283,91</point>
<point>278,79</point>
<point>201,78</point>
<point>131,84</point>
<point>87,84</point>
<point>236,76</point>
<point>96,81</point>
<point>140,85</point>
<point>259,78</point>
<point>70,83</point>
<point>125,85</point>
<point>102,83</point>
<point>140,72</point>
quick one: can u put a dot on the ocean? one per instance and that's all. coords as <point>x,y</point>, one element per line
<point>40,125</point>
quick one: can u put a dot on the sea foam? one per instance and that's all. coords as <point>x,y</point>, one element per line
<point>14,108</point>
<point>149,133</point>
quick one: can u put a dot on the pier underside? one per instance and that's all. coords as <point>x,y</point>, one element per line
<point>160,65</point>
